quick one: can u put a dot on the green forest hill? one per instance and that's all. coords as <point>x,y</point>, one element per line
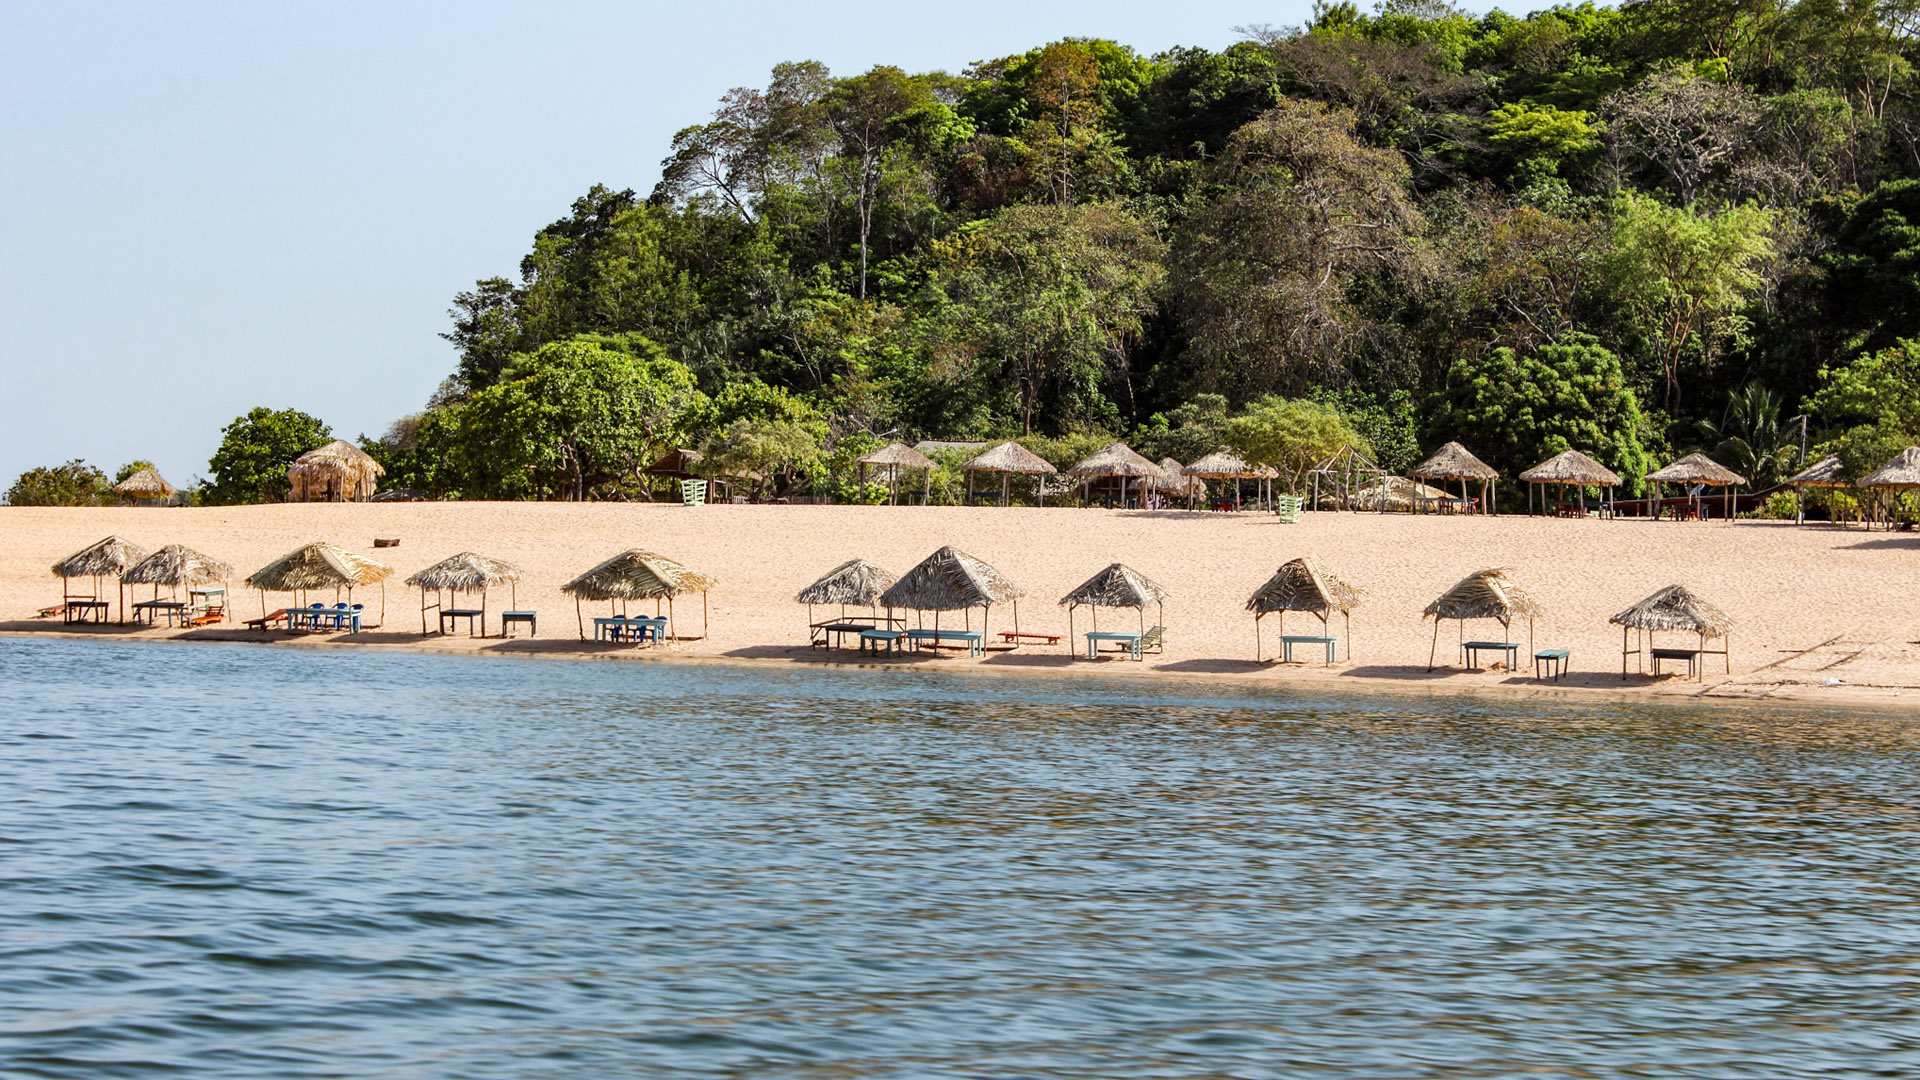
<point>1675,225</point>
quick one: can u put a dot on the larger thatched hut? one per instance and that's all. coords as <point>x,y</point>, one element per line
<point>640,575</point>
<point>952,580</point>
<point>1303,585</point>
<point>1454,462</point>
<point>1114,460</point>
<point>893,457</point>
<point>145,485</point>
<point>178,568</point>
<point>320,566</point>
<point>1118,586</point>
<point>102,559</point>
<point>1697,471</point>
<point>1009,459</point>
<point>1674,608</point>
<point>1575,468</point>
<point>1901,473</point>
<point>336,472</point>
<point>466,573</point>
<point>856,582</point>
<point>1488,594</point>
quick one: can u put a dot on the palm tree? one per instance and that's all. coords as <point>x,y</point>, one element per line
<point>1751,440</point>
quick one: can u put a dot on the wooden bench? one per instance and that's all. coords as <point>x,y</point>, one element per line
<point>266,622</point>
<point>215,613</point>
<point>1287,642</point>
<point>1555,661</point>
<point>1154,640</point>
<point>1014,637</point>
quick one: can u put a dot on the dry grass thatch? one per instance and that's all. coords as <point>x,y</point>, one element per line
<point>466,572</point>
<point>105,558</point>
<point>1118,586</point>
<point>1010,457</point>
<point>1571,467</point>
<point>1454,462</point>
<point>898,454</point>
<point>949,580</point>
<point>145,483</point>
<point>1697,469</point>
<point>339,471</point>
<point>1222,464</point>
<point>637,575</point>
<point>1675,608</point>
<point>1827,472</point>
<point>1174,481</point>
<point>1397,492</point>
<point>318,566</point>
<point>1489,594</point>
<point>856,581</point>
<point>178,567</point>
<point>1902,472</point>
<point>1116,459</point>
<point>1304,585</point>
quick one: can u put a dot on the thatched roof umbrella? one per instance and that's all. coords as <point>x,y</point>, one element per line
<point>106,558</point>
<point>856,582</point>
<point>1828,472</point>
<point>1455,462</point>
<point>897,456</point>
<point>1303,585</point>
<point>1174,480</point>
<point>145,483</point>
<point>1673,608</point>
<point>336,472</point>
<point>320,566</point>
<point>1114,459</point>
<point>640,575</point>
<point>1489,594</point>
<point>465,573</point>
<point>1902,473</point>
<point>179,568</point>
<point>1224,464</point>
<point>1568,467</point>
<point>1118,586</point>
<point>1703,470</point>
<point>1007,459</point>
<point>952,580</point>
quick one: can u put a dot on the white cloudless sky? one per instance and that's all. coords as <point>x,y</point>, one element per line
<point>207,207</point>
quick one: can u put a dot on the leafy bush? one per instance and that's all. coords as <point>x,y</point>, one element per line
<point>255,450</point>
<point>74,484</point>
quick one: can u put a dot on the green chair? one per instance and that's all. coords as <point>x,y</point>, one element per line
<point>693,493</point>
<point>1288,507</point>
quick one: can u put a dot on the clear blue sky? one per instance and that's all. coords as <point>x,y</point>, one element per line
<point>208,207</point>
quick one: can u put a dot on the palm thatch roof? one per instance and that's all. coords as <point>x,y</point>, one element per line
<point>338,468</point>
<point>1489,594</point>
<point>1010,457</point>
<point>1454,462</point>
<point>1697,469</point>
<point>1175,481</point>
<point>949,580</point>
<point>1397,492</point>
<point>1571,467</point>
<point>1827,472</point>
<point>1115,459</point>
<point>1304,585</point>
<point>1118,585</point>
<point>1223,464</point>
<point>637,575</point>
<point>145,483</point>
<point>105,558</point>
<point>1675,608</point>
<point>318,566</point>
<point>855,581</point>
<point>179,567</point>
<point>899,454</point>
<point>1902,472</point>
<point>466,572</point>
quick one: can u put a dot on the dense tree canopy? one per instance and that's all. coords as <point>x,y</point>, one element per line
<point>255,450</point>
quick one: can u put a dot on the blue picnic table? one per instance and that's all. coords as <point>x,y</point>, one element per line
<point>1129,638</point>
<point>638,628</point>
<point>877,641</point>
<point>1288,642</point>
<point>1470,651</point>
<point>975,640</point>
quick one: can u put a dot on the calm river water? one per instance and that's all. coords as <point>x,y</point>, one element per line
<point>246,862</point>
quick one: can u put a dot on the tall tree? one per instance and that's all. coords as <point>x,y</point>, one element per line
<point>869,113</point>
<point>251,464</point>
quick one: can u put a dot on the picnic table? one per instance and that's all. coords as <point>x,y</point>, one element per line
<point>973,639</point>
<point>321,617</point>
<point>469,614</point>
<point>1471,649</point>
<point>150,612</point>
<point>1128,638</point>
<point>1287,642</point>
<point>81,611</point>
<point>638,628</point>
<point>831,633</point>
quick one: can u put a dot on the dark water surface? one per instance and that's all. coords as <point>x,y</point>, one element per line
<point>245,862</point>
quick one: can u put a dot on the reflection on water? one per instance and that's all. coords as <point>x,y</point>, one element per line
<point>240,862</point>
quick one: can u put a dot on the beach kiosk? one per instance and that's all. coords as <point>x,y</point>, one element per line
<point>1114,460</point>
<point>318,566</point>
<point>1575,468</point>
<point>203,577</point>
<point>1010,459</point>
<point>100,560</point>
<point>859,583</point>
<point>637,575</point>
<point>1453,462</point>
<point>469,574</point>
<point>1674,608</point>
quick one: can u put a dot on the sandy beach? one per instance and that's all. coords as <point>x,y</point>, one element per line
<point>1819,614</point>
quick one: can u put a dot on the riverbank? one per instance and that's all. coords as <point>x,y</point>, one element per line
<point>1818,612</point>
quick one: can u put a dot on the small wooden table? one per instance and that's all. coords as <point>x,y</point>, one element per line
<point>974,639</point>
<point>881,642</point>
<point>531,618</point>
<point>469,614</point>
<point>1129,638</point>
<point>1471,649</point>
<point>1555,661</point>
<point>82,611</point>
<point>150,612</point>
<point>1287,643</point>
<point>1691,656</point>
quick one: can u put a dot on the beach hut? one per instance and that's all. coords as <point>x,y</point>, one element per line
<point>108,558</point>
<point>1114,460</point>
<point>1453,462</point>
<point>1009,459</point>
<point>1900,474</point>
<point>1489,594</point>
<point>640,575</point>
<point>952,580</point>
<point>145,485</point>
<point>856,582</point>
<point>1700,470</point>
<point>1120,586</point>
<point>1174,482</point>
<point>1674,608</point>
<point>894,457</point>
<point>465,573</point>
<point>1304,585</point>
<point>1224,464</point>
<point>178,568</point>
<point>1395,493</point>
<point>319,566</point>
<point>1571,467</point>
<point>336,472</point>
<point>1825,473</point>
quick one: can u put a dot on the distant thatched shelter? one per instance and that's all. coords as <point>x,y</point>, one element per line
<point>893,457</point>
<point>1007,459</point>
<point>1699,470</point>
<point>336,472</point>
<point>1570,467</point>
<point>1118,586</point>
<point>1489,594</point>
<point>1225,464</point>
<point>1674,608</point>
<point>640,575</point>
<point>1174,481</point>
<point>1828,472</point>
<point>465,573</point>
<point>1347,478</point>
<point>952,580</point>
<point>1388,493</point>
<point>145,485</point>
<point>856,582</point>
<point>1303,585</point>
<point>1114,460</point>
<point>108,558</point>
<point>177,568</point>
<point>320,566</point>
<point>1454,462</point>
